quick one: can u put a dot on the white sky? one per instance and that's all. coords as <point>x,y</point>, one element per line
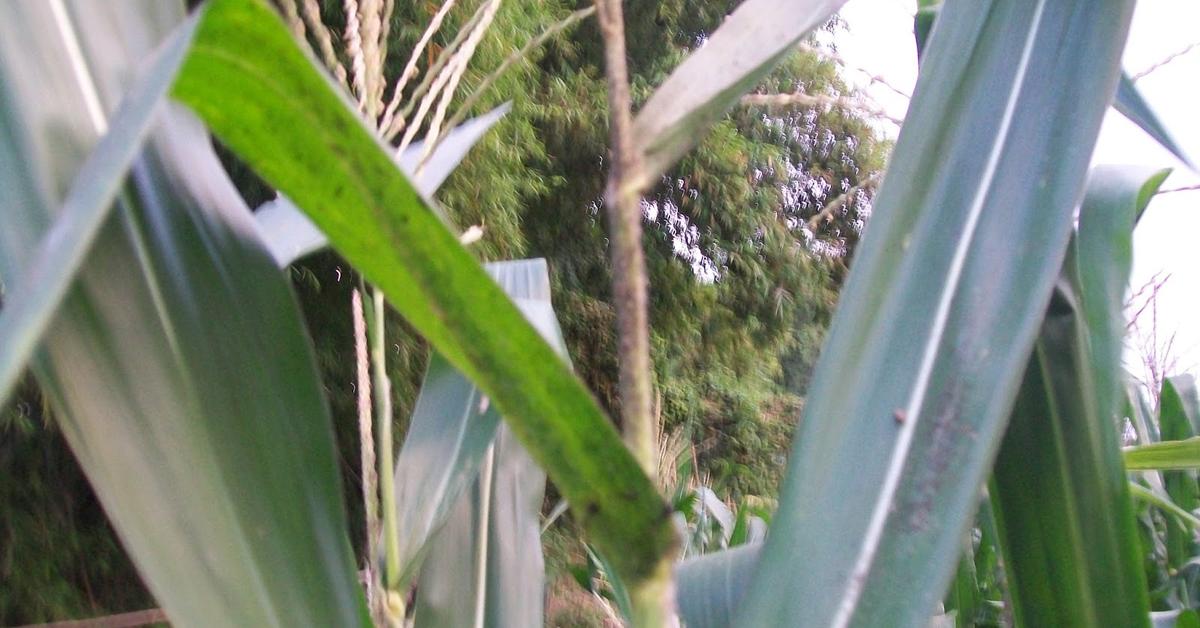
<point>1167,240</point>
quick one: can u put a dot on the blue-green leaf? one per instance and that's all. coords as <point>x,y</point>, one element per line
<point>944,300</point>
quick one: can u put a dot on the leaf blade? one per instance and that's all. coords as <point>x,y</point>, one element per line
<point>226,499</point>
<point>1066,523</point>
<point>882,334</point>
<point>31,304</point>
<point>1129,102</point>
<point>290,235</point>
<point>253,87</point>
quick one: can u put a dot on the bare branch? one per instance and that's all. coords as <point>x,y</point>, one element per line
<point>798,99</point>
<point>1169,58</point>
<point>871,76</point>
<point>826,213</point>
<point>122,620</point>
<point>1186,188</point>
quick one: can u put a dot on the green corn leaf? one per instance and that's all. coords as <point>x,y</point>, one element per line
<point>177,366</point>
<point>30,306</point>
<point>1069,560</point>
<point>1138,409</point>
<point>1189,397</point>
<point>710,587</point>
<point>453,426</point>
<point>290,235</point>
<point>1165,455</point>
<point>740,53</point>
<point>1180,485</point>
<point>1066,524</point>
<point>1116,196</point>
<point>963,596</point>
<point>485,567</point>
<point>927,12</point>
<point>941,308</point>
<point>1154,499</point>
<point>266,100</point>
<point>1129,102</point>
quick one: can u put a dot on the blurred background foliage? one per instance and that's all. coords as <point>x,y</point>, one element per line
<point>742,290</point>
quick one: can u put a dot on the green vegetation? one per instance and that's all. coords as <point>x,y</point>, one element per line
<point>245,458</point>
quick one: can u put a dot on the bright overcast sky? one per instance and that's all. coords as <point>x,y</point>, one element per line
<point>1167,240</point>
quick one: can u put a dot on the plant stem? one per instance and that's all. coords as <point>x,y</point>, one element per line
<point>370,478</point>
<point>383,417</point>
<point>652,598</point>
<point>481,533</point>
<point>623,199</point>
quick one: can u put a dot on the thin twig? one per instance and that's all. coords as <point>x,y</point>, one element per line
<point>817,100</point>
<point>410,68</point>
<point>382,390</point>
<point>312,16</point>
<point>1186,188</point>
<point>510,61</point>
<point>370,477</point>
<point>1169,58</point>
<point>121,620</point>
<point>871,76</point>
<point>826,212</point>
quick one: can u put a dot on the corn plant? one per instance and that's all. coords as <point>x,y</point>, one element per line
<point>977,326</point>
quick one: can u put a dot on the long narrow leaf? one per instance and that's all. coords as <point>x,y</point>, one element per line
<point>30,306</point>
<point>711,586</point>
<point>1189,397</point>
<point>1165,503</point>
<point>485,567</point>
<point>1180,485</point>
<point>963,597</point>
<point>748,44</point>
<point>290,234</point>
<point>1066,525</point>
<point>265,99</point>
<point>940,311</point>
<point>1130,103</point>
<point>159,362</point>
<point>453,425</point>
<point>1165,455</point>
<point>1116,196</point>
